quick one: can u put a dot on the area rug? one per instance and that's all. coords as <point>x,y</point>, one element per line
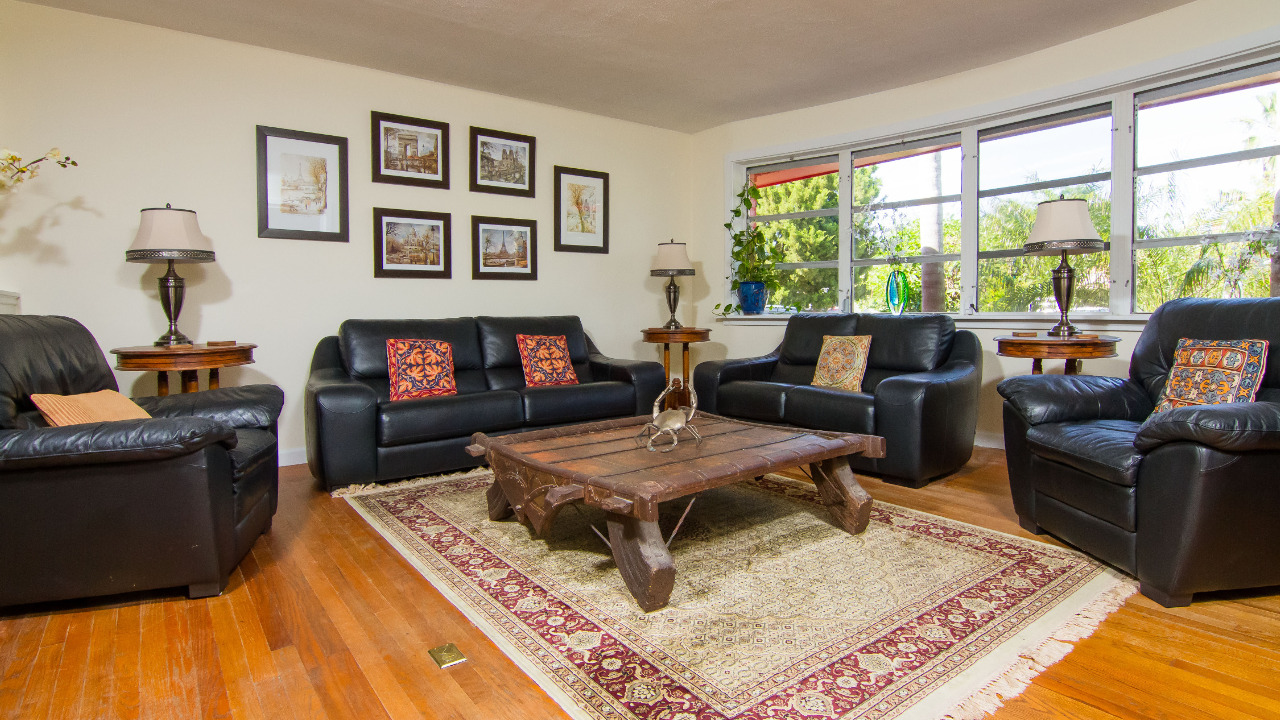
<point>776,612</point>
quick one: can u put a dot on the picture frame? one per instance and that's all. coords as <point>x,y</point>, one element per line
<point>502,163</point>
<point>412,244</point>
<point>582,210</point>
<point>409,151</point>
<point>297,174</point>
<point>503,248</point>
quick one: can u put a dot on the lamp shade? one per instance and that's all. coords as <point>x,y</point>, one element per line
<point>672,259</point>
<point>169,233</point>
<point>1063,226</point>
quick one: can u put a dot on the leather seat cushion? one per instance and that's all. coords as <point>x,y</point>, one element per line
<point>447,416</point>
<point>824,408</point>
<point>554,404</point>
<point>753,399</point>
<point>251,477</point>
<point>1102,448</point>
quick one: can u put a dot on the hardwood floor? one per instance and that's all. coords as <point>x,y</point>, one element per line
<point>324,620</point>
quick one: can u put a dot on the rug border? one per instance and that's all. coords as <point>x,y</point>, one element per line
<point>982,688</point>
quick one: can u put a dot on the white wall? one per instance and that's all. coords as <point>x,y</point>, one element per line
<point>1185,35</point>
<point>155,116</point>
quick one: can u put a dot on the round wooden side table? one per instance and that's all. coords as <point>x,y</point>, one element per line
<point>684,336</point>
<point>186,359</point>
<point>1042,346</point>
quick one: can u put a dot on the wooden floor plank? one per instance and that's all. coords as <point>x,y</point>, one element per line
<point>324,620</point>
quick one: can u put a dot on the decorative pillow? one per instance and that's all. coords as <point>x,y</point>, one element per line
<point>1213,372</point>
<point>420,368</point>
<point>843,361</point>
<point>545,359</point>
<point>94,407</point>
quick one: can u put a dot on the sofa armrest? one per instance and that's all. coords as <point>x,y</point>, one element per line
<point>340,417</point>
<point>110,442</point>
<point>1064,398</point>
<point>646,376</point>
<point>1233,427</point>
<point>928,419</point>
<point>248,406</point>
<point>709,375</point>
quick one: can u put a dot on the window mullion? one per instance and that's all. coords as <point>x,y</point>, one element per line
<point>1122,198</point>
<point>969,220</point>
<point>845,258</point>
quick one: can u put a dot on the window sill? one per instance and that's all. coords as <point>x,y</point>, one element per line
<point>994,321</point>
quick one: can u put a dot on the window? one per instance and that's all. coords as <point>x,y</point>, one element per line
<point>1189,188</point>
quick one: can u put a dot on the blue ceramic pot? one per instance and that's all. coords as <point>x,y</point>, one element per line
<point>752,296</point>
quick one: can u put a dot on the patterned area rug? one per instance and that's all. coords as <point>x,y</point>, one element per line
<point>776,612</point>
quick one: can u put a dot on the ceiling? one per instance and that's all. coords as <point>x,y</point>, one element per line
<point>685,65</point>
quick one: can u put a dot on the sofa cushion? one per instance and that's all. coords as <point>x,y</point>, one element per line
<point>823,408</point>
<point>410,421</point>
<point>753,399</point>
<point>419,368</point>
<point>908,343</point>
<point>545,360</point>
<point>363,345</point>
<point>1102,448</point>
<point>843,362</point>
<point>802,342</point>
<point>502,356</point>
<point>554,404</point>
<point>1213,372</point>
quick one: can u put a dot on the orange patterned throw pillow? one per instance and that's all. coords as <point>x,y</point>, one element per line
<point>1213,372</point>
<point>420,368</point>
<point>842,362</point>
<point>94,407</point>
<point>545,359</point>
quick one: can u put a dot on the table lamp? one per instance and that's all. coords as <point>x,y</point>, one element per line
<point>170,235</point>
<point>1063,227</point>
<point>672,260</point>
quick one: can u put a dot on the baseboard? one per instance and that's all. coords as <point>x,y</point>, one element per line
<point>293,456</point>
<point>989,440</point>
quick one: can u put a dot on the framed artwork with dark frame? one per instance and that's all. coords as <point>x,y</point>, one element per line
<point>302,185</point>
<point>502,162</point>
<point>503,248</point>
<point>409,151</point>
<point>582,210</point>
<point>412,244</point>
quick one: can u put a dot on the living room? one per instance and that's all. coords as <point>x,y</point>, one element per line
<point>154,116</point>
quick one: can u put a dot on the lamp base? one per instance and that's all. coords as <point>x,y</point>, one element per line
<point>1064,280</point>
<point>172,338</point>
<point>673,299</point>
<point>172,290</point>
<point>1063,330</point>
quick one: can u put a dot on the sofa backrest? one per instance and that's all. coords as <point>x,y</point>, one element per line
<point>1206,319</point>
<point>899,344</point>
<point>502,358</point>
<point>46,354</point>
<point>363,344</point>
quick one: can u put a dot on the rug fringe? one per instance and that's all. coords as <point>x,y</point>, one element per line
<point>368,488</point>
<point>1019,675</point>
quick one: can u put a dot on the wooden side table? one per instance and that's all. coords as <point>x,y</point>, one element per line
<point>1041,346</point>
<point>186,359</point>
<point>684,336</point>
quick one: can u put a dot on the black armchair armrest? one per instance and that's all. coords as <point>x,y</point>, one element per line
<point>110,442</point>
<point>1062,398</point>
<point>709,375</point>
<point>249,406</point>
<point>645,375</point>
<point>1234,427</point>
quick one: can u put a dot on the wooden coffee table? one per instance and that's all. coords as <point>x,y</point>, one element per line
<point>538,473</point>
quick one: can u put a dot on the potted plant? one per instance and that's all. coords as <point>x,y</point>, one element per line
<point>755,272</point>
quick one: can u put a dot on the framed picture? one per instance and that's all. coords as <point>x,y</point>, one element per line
<point>502,162</point>
<point>411,244</point>
<point>302,185</point>
<point>410,151</point>
<point>582,210</point>
<point>503,248</point>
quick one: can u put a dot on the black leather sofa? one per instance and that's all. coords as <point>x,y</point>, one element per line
<point>356,434</point>
<point>104,508</point>
<point>1186,500</point>
<point>920,391</point>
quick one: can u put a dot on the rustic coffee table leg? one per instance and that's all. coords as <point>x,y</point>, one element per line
<point>643,559</point>
<point>499,508</point>
<point>848,502</point>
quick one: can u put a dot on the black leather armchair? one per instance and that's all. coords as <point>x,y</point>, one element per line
<point>920,391</point>
<point>103,508</point>
<point>1187,500</point>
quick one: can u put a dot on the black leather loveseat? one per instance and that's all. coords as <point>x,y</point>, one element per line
<point>920,390</point>
<point>356,434</point>
<point>1187,500</point>
<point>102,508</point>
